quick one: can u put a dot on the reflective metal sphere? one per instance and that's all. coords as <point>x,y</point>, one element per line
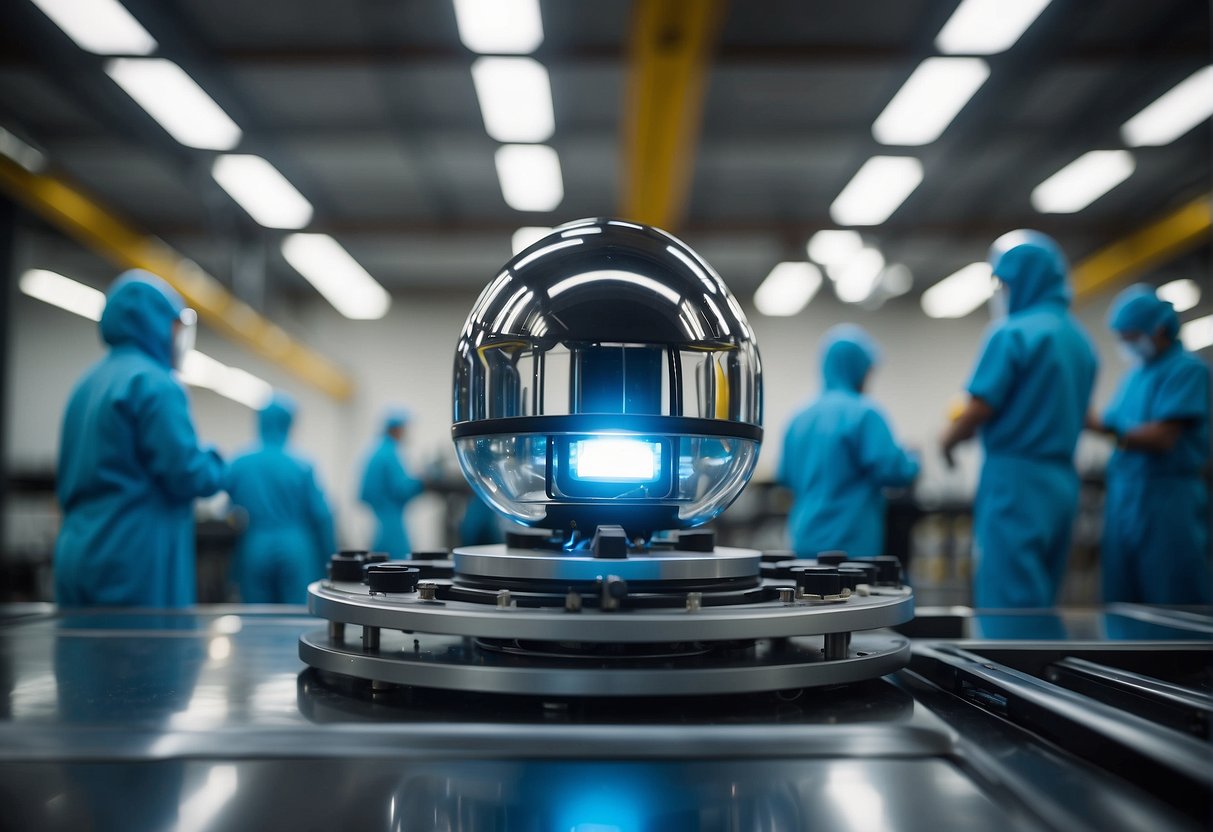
<point>607,376</point>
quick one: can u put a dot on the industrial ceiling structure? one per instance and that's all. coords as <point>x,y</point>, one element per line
<point>737,125</point>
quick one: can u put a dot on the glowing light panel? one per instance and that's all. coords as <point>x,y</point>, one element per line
<point>616,460</point>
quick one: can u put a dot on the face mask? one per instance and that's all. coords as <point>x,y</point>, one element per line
<point>1143,347</point>
<point>183,339</point>
<point>1000,303</point>
<point>1137,350</point>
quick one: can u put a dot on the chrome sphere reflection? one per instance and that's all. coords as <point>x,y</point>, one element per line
<point>607,376</point>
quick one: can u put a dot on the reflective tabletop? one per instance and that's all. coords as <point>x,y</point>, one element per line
<point>208,720</point>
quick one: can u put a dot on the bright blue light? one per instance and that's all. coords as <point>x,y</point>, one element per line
<point>615,459</point>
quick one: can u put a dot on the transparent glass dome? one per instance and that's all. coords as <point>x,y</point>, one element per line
<point>607,376</point>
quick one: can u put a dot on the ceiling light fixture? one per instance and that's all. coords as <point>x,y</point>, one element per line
<point>1083,181</point>
<point>876,190</point>
<point>1174,113</point>
<point>515,96</point>
<point>959,293</point>
<point>530,177</point>
<point>987,27</point>
<point>103,27</point>
<point>528,235</point>
<point>855,279</point>
<point>1197,334</point>
<point>337,276</point>
<point>499,27</point>
<point>1183,294</point>
<point>262,191</point>
<point>787,289</point>
<point>175,101</point>
<point>63,292</point>
<point>928,101</point>
<point>830,247</point>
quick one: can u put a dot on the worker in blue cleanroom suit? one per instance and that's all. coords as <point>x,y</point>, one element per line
<point>387,487</point>
<point>839,455</point>
<point>290,528</point>
<point>130,464</point>
<point>1028,397</point>
<point>1156,522</point>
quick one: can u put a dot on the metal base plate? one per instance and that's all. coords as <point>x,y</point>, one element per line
<point>350,603</point>
<point>452,663</point>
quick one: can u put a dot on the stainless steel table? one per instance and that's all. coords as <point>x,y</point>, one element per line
<point>144,720</point>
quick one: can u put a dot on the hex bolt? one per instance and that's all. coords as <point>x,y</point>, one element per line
<point>787,594</point>
<point>427,590</point>
<point>694,601</point>
<point>370,638</point>
<point>336,632</point>
<point>503,599</point>
<point>836,646</point>
<point>572,601</point>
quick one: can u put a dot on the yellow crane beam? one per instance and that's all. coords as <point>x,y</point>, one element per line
<point>1159,242</point>
<point>83,218</point>
<point>669,55</point>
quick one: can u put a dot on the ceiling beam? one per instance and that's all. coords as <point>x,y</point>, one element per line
<point>1154,245</point>
<point>92,224</point>
<point>668,59</point>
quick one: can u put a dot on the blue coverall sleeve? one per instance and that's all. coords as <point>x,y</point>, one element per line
<point>1184,395</point>
<point>402,486</point>
<point>168,445</point>
<point>784,474</point>
<point>996,370</point>
<point>880,457</point>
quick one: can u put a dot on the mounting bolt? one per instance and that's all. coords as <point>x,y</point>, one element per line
<point>787,594</point>
<point>503,599</point>
<point>427,590</point>
<point>694,601</point>
<point>572,601</point>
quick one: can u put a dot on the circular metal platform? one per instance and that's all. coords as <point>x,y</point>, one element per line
<point>451,663</point>
<point>535,565</point>
<point>350,603</point>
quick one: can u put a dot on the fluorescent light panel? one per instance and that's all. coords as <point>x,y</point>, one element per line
<point>787,289</point>
<point>856,279</point>
<point>1176,112</point>
<point>262,191</point>
<point>337,276</point>
<point>830,247</point>
<point>103,27</point>
<point>876,190</point>
<point>200,370</point>
<point>21,152</point>
<point>57,290</point>
<point>175,101</point>
<point>1183,294</point>
<point>959,293</point>
<point>1197,334</point>
<point>515,98</point>
<point>1083,181</point>
<point>928,101</point>
<point>528,235</point>
<point>987,27</point>
<point>499,27</point>
<point>530,177</point>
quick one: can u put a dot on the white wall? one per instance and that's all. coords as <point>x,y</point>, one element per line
<point>406,359</point>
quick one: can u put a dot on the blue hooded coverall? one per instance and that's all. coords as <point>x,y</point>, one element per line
<point>129,463</point>
<point>1036,370</point>
<point>1156,523</point>
<point>838,455</point>
<point>290,527</point>
<point>386,488</point>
